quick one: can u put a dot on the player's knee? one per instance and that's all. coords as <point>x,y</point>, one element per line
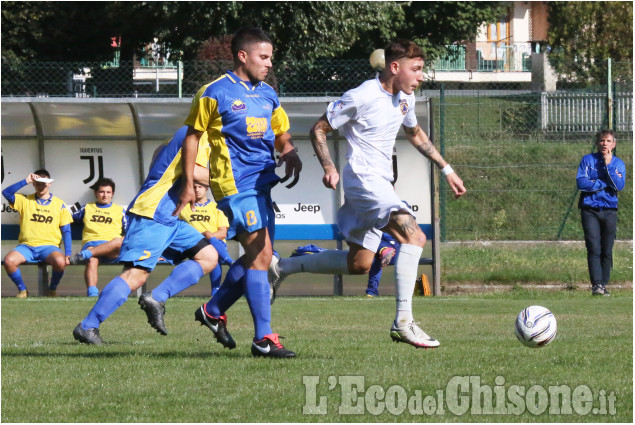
<point>11,262</point>
<point>207,258</point>
<point>59,264</point>
<point>359,267</point>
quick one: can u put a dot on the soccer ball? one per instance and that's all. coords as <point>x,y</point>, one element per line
<point>378,60</point>
<point>535,326</point>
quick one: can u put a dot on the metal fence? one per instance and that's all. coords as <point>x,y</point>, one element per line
<point>516,149</point>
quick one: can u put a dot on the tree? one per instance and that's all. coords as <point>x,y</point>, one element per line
<point>81,31</point>
<point>583,35</point>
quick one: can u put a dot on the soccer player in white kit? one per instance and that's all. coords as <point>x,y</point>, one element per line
<point>370,116</point>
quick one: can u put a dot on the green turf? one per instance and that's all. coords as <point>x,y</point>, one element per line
<point>140,376</point>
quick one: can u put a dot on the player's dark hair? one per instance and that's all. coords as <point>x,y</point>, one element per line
<point>42,173</point>
<point>246,36</point>
<point>602,133</point>
<point>399,49</point>
<point>104,181</point>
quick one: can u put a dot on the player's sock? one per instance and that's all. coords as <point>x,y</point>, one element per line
<point>257,294</point>
<point>16,277</point>
<point>221,248</point>
<point>55,279</point>
<point>86,254</point>
<point>112,296</point>
<point>182,277</point>
<point>214,278</point>
<point>405,277</point>
<point>229,292</point>
<point>330,261</point>
<point>374,276</point>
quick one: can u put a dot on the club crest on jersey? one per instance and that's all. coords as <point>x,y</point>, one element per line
<point>403,106</point>
<point>239,106</point>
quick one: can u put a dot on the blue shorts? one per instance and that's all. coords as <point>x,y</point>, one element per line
<point>36,254</point>
<point>249,211</point>
<point>102,260</point>
<point>146,240</point>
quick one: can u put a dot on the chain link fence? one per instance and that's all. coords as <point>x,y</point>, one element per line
<point>517,150</point>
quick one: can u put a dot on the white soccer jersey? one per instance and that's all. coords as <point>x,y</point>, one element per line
<point>370,119</point>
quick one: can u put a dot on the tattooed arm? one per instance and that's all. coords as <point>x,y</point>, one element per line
<point>419,139</point>
<point>321,148</point>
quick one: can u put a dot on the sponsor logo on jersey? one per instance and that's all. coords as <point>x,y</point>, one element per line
<point>239,106</point>
<point>101,219</point>
<point>39,218</point>
<point>336,105</point>
<point>403,106</point>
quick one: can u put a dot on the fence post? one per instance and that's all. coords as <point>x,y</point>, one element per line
<point>609,95</point>
<point>442,147</point>
<point>179,79</point>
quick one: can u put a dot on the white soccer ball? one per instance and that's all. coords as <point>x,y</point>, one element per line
<point>378,60</point>
<point>535,326</point>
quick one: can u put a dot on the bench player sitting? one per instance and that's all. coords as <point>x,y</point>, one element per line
<point>44,222</point>
<point>104,223</point>
<point>213,224</point>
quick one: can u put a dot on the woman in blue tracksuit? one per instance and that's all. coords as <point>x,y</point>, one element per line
<point>600,176</point>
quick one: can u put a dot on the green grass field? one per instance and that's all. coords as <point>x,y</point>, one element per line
<point>140,376</point>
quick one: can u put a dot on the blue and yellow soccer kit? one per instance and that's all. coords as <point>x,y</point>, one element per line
<point>41,223</point>
<point>241,121</point>
<point>152,228</point>
<point>102,223</point>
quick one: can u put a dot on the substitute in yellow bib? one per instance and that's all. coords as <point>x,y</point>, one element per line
<point>213,224</point>
<point>104,224</point>
<point>44,221</point>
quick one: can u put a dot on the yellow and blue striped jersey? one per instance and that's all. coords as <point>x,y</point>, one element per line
<point>102,222</point>
<point>159,193</point>
<point>40,220</point>
<point>242,121</point>
<point>207,217</point>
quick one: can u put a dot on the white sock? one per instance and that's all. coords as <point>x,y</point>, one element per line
<point>406,268</point>
<point>330,261</point>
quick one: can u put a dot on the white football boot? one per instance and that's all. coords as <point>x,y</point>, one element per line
<point>412,334</point>
<point>275,277</point>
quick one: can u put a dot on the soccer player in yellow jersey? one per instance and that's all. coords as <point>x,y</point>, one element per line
<point>244,122</point>
<point>104,223</point>
<point>44,220</point>
<point>213,224</point>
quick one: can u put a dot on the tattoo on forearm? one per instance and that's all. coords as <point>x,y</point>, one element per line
<point>320,145</point>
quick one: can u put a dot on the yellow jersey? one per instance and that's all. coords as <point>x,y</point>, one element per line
<point>40,221</point>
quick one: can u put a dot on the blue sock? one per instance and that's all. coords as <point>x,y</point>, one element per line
<point>257,294</point>
<point>55,279</point>
<point>214,278</point>
<point>374,276</point>
<point>92,291</point>
<point>229,292</point>
<point>112,296</point>
<point>16,277</point>
<point>86,254</point>
<point>221,248</point>
<point>182,277</point>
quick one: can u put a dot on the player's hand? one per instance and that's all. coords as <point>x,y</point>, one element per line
<point>187,197</point>
<point>456,184</point>
<point>31,178</point>
<point>331,178</point>
<point>67,260</point>
<point>293,166</point>
<point>607,154</point>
